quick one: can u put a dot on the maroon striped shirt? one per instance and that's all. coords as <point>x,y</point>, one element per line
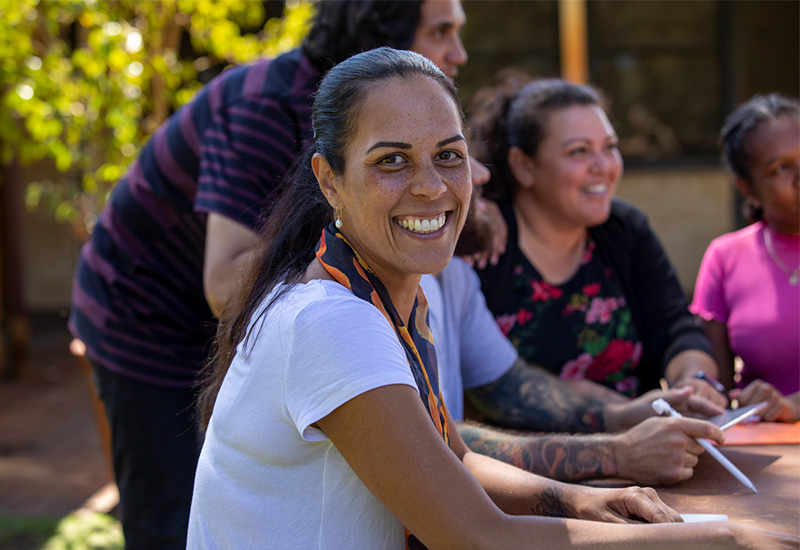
<point>138,300</point>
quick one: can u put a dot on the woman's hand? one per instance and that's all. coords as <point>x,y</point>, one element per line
<point>779,408</point>
<point>490,212</point>
<point>681,371</point>
<point>628,505</point>
<point>621,416</point>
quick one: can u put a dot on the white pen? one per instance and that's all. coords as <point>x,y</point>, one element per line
<point>662,407</point>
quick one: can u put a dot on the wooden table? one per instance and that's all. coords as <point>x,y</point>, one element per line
<point>773,469</point>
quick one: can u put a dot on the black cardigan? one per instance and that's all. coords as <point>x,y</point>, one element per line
<point>631,249</point>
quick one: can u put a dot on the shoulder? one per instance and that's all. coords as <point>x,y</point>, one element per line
<point>459,286</point>
<point>459,274</point>
<point>626,214</point>
<point>321,303</point>
<point>736,239</point>
<point>288,76</point>
<point>741,247</point>
<point>625,226</point>
<point>319,317</point>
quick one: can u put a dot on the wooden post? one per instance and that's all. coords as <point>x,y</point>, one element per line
<point>574,48</point>
<point>14,323</point>
<point>3,332</point>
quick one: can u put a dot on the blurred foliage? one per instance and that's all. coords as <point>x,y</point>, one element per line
<point>87,531</point>
<point>81,530</point>
<point>84,83</point>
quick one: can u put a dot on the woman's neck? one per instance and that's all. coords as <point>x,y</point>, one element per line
<point>553,247</point>
<point>782,229</point>
<point>403,294</point>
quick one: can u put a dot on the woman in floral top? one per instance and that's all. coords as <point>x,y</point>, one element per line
<point>584,288</point>
<point>581,329</point>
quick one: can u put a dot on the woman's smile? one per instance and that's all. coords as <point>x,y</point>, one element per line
<point>600,189</point>
<point>422,225</point>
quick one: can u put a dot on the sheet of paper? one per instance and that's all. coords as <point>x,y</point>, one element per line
<point>732,417</point>
<point>697,518</point>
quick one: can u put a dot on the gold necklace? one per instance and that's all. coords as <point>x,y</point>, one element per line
<point>794,275</point>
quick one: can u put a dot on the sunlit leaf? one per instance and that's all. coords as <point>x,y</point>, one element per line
<point>83,83</point>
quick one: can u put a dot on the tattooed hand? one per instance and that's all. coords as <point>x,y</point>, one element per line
<point>661,450</point>
<point>628,505</point>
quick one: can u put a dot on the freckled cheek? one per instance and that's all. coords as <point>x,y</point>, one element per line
<point>386,191</point>
<point>462,189</point>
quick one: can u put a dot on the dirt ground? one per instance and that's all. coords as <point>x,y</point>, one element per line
<point>51,460</point>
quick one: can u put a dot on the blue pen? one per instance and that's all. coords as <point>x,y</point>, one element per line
<point>662,407</point>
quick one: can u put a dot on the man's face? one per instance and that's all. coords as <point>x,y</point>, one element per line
<point>438,35</point>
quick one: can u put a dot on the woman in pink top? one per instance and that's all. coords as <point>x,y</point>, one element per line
<point>747,289</point>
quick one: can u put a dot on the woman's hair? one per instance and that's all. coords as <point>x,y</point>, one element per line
<point>513,112</point>
<point>302,212</point>
<point>342,28</point>
<point>733,139</point>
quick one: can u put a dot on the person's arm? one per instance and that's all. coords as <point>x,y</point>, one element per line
<point>403,461</point>
<point>658,451</point>
<point>229,245</point>
<point>530,398</point>
<point>533,399</point>
<point>245,152</point>
<point>683,367</point>
<point>718,336</point>
<point>589,387</point>
<point>389,441</point>
<point>780,408</point>
<point>668,329</point>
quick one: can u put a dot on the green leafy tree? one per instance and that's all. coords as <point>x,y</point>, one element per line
<point>84,83</point>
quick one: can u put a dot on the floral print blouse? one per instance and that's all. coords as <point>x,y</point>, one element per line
<point>581,329</point>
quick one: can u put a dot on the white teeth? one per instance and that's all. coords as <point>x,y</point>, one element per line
<point>599,188</point>
<point>423,226</point>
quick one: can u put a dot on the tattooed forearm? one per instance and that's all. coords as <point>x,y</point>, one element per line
<point>531,398</point>
<point>560,457</point>
<point>551,504</point>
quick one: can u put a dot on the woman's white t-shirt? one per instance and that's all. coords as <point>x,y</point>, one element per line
<point>266,477</point>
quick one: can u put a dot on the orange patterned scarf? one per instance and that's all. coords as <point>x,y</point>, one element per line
<point>349,269</point>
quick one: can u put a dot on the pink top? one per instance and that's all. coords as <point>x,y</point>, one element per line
<point>741,285</point>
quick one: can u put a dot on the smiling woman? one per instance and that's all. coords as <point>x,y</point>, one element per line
<point>585,289</point>
<point>402,198</point>
<point>327,428</point>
